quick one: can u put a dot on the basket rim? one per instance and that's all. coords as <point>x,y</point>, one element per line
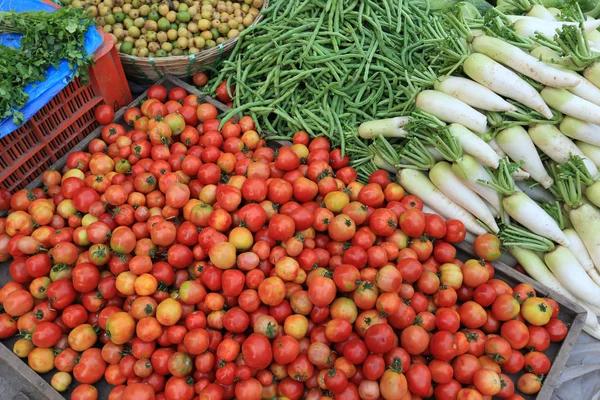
<point>219,48</point>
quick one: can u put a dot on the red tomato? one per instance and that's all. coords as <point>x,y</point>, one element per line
<point>104,114</point>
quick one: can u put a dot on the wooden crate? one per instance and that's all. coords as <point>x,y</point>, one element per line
<point>18,371</point>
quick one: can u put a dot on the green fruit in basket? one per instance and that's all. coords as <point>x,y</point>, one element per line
<point>161,53</point>
<point>153,16</point>
<point>174,26</point>
<point>144,10</point>
<point>184,16</point>
<point>120,17</point>
<point>126,47</point>
<point>182,7</point>
<point>128,23</point>
<point>109,19</point>
<point>164,24</point>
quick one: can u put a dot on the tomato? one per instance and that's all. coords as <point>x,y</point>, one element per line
<point>465,366</point>
<point>472,315</point>
<point>487,247</point>
<point>321,291</point>
<point>8,326</point>
<point>529,383</point>
<point>18,302</point>
<point>179,388</point>
<point>418,378</point>
<point>157,92</point>
<point>487,382</point>
<point>455,231</point>
<point>516,333</point>
<point>413,222</point>
<point>440,371</point>
<point>475,274</point>
<point>257,351</point>
<point>442,345</point>
<point>141,391</point>
<point>206,112</point>
<point>91,366</point>
<point>557,330</point>
<point>120,327</point>
<point>505,307</point>
<point>380,338</point>
<point>537,362</point>
<point>200,79</point>
<point>498,349</point>
<point>393,384</point>
<point>371,195</point>
<point>539,339</point>
<point>536,311</point>
<point>46,334</point>
<point>104,114</point>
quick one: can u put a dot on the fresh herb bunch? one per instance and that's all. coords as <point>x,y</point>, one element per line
<point>47,39</point>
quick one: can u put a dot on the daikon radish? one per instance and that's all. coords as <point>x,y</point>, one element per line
<point>581,130</point>
<point>557,146</point>
<point>472,93</point>
<point>450,109</point>
<point>571,105</point>
<point>469,171</point>
<point>518,145</point>
<point>522,62</point>
<point>443,178</point>
<point>578,249</point>
<point>475,146</point>
<point>591,151</point>
<point>530,26</point>
<point>572,276</point>
<point>389,127</point>
<point>504,82</point>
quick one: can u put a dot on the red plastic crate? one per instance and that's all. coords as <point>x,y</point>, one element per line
<point>64,121</point>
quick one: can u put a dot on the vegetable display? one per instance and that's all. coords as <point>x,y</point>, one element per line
<point>179,263</point>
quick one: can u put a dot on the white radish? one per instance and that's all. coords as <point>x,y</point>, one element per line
<point>449,109</point>
<point>470,171</point>
<point>522,62</point>
<point>417,183</point>
<point>594,38</point>
<point>541,12</point>
<point>572,105</point>
<point>578,249</point>
<point>550,140</point>
<point>586,221</point>
<point>537,269</point>
<point>572,276</point>
<point>529,214</point>
<point>529,26</point>
<point>537,193</point>
<point>437,156</point>
<point>380,163</point>
<point>548,55</point>
<point>472,93</point>
<point>389,127</point>
<point>494,145</point>
<point>504,82</point>
<point>518,145</point>
<point>591,151</point>
<point>592,73</point>
<point>475,146</point>
<point>443,178</point>
<point>581,130</point>
<point>520,175</point>
<point>586,89</point>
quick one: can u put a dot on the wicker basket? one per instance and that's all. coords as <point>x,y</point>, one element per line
<point>148,69</point>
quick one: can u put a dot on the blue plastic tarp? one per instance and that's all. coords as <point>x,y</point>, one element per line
<point>56,78</point>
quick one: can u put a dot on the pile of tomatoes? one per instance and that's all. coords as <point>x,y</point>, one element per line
<point>181,260</point>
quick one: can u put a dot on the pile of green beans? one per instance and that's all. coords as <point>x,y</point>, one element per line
<point>324,66</point>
